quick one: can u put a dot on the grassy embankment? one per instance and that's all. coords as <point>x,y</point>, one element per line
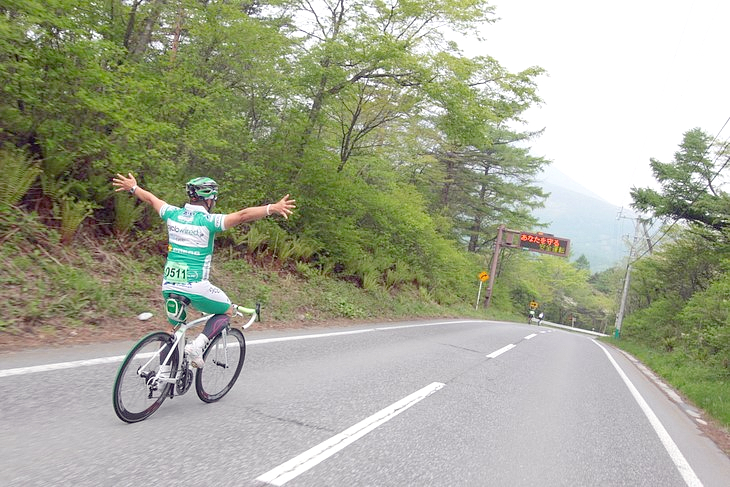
<point>705,387</point>
<point>55,291</point>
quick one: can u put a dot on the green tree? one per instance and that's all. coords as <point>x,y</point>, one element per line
<point>476,176</point>
<point>689,185</point>
<point>562,291</point>
<point>367,45</point>
<point>608,281</point>
<point>582,263</point>
<point>675,293</point>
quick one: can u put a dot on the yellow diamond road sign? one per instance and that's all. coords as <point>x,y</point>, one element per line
<point>483,276</point>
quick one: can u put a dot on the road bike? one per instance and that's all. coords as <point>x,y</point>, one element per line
<point>140,388</point>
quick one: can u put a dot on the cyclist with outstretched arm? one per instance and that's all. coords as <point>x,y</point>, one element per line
<point>191,231</point>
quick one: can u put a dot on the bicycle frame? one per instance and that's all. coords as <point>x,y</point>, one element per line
<point>179,343</point>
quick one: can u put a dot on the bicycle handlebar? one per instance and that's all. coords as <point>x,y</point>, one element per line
<point>254,312</point>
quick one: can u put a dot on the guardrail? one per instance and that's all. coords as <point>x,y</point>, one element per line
<point>570,328</point>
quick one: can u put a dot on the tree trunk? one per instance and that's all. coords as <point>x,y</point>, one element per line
<point>140,44</point>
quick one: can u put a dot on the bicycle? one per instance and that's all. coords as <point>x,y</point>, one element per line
<point>140,389</point>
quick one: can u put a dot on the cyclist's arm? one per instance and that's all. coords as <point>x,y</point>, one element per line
<point>282,207</point>
<point>148,197</point>
<point>129,184</point>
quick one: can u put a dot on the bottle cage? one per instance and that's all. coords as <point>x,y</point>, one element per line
<point>176,306</point>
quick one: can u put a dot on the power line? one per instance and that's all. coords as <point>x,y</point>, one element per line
<point>666,231</point>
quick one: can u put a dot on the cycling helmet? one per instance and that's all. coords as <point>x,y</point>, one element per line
<point>202,188</point>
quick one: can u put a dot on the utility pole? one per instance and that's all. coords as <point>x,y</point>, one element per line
<point>632,251</point>
<point>622,306</point>
<point>493,269</point>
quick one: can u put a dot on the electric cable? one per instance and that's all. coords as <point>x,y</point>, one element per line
<point>666,231</point>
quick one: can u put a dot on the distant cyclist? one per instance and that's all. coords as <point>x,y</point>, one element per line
<point>191,231</point>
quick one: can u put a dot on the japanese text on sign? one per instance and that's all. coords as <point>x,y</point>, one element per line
<point>546,244</point>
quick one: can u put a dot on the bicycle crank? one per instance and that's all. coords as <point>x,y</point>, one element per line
<point>184,381</point>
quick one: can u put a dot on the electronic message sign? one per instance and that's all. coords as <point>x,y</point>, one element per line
<point>515,239</point>
<point>546,244</point>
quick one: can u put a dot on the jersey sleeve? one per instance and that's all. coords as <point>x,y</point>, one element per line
<point>214,223</point>
<point>164,211</point>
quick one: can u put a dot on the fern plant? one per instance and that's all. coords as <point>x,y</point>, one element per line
<point>73,214</point>
<point>19,174</point>
<point>126,213</point>
<point>400,273</point>
<point>255,238</point>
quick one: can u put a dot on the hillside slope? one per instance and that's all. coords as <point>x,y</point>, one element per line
<point>592,224</point>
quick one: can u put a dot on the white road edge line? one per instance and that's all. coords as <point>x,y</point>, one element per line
<point>303,462</point>
<point>689,476</point>
<point>119,358</point>
<point>306,337</point>
<point>60,366</point>
<point>502,350</point>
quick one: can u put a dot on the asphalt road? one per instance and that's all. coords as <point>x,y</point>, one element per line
<point>457,403</point>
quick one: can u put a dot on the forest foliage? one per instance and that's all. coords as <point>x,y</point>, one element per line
<point>400,150</point>
<point>680,289</point>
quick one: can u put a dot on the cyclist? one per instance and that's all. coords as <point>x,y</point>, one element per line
<point>190,233</point>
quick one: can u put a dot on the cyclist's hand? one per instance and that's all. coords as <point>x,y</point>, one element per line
<point>284,206</point>
<point>124,183</point>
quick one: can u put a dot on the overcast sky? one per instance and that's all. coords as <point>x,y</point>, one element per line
<point>626,79</point>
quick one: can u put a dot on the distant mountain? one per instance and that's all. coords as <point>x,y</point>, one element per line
<point>591,223</point>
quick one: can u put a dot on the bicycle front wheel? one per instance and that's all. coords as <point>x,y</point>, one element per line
<point>137,394</point>
<point>223,362</point>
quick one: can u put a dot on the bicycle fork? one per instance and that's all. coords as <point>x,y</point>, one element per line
<point>222,344</point>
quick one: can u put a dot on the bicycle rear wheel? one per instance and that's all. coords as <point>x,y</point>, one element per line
<point>223,362</point>
<point>136,392</point>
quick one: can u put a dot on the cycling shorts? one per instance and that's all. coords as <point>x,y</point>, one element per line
<point>203,295</point>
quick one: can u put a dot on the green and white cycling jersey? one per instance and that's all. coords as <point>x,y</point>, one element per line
<point>191,231</point>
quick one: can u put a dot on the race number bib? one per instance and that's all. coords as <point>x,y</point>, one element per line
<point>176,272</point>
